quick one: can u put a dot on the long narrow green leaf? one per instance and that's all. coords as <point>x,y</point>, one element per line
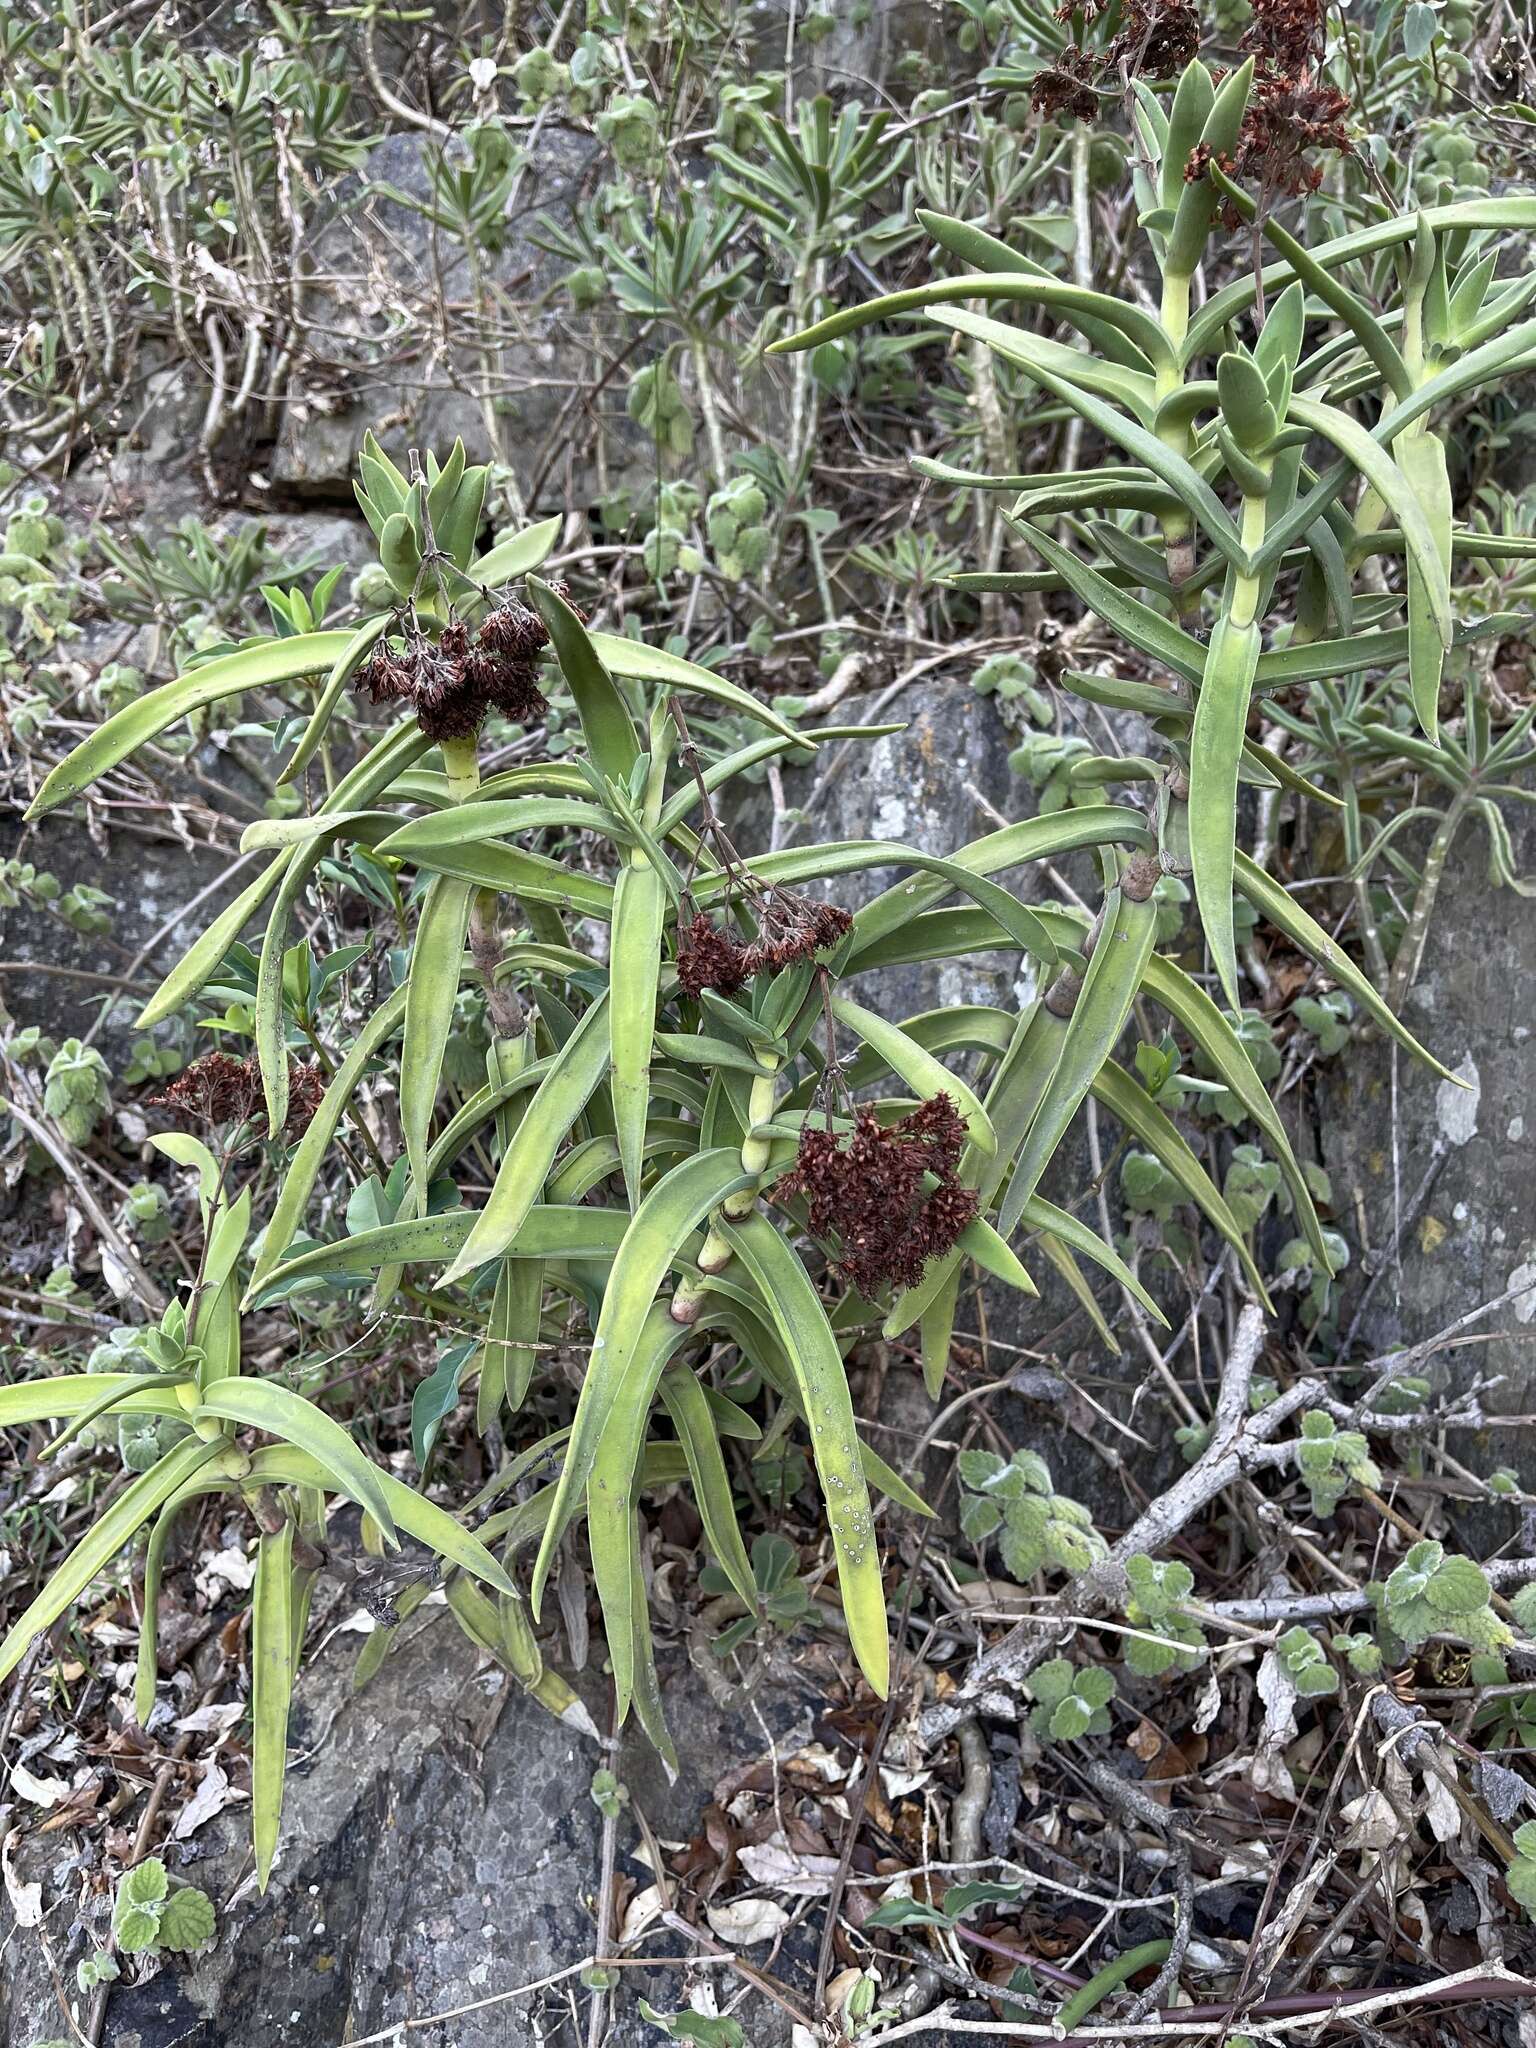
<point>910,1062</point>
<point>1032,839</point>
<point>262,1404</point>
<point>847,857</point>
<point>286,1464</point>
<point>1144,628</point>
<point>606,725</point>
<point>1073,302</point>
<point>1188,1004</point>
<point>297,1184</point>
<point>250,668</point>
<point>517,554</point>
<point>1272,900</point>
<point>1098,1017</point>
<point>688,1405</point>
<point>662,1225</point>
<point>1053,1223</point>
<point>1421,458</point>
<point>369,779</point>
<point>1215,751</point>
<point>348,662</point>
<point>71,1394</point>
<point>633,658</point>
<point>1135,437</point>
<point>796,1312</point>
<point>1135,1109</point>
<point>634,969</point>
<point>432,989</point>
<point>1013,1100</point>
<point>514,871</point>
<point>206,951</point>
<point>716,774</point>
<point>468,823</point>
<point>272,1678</point>
<point>547,1231</point>
<point>978,250</point>
<point>1394,490</point>
<point>147,1661</point>
<point>113,1527</point>
<point>1354,312</point>
<point>607,1458</point>
<point>562,1095</point>
<point>1515,210</point>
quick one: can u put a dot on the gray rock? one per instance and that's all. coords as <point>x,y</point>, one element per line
<point>439,1847</point>
<point>1472,1235</point>
<point>383,256</point>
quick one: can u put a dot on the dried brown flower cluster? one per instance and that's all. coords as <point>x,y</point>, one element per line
<point>791,927</point>
<point>867,1189</point>
<point>452,683</point>
<point>219,1090</point>
<point>709,957</point>
<point>1156,39</point>
<point>1292,110</point>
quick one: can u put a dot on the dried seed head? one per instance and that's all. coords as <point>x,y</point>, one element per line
<point>219,1091</point>
<point>708,957</point>
<point>451,684</point>
<point>793,927</point>
<point>869,1190</point>
<point>1292,110</point>
<point>1061,91</point>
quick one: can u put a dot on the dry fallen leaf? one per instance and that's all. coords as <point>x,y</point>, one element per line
<point>1370,1822</point>
<point>643,1910</point>
<point>41,1791</point>
<point>214,1792</point>
<point>788,1870</point>
<point>210,1720</point>
<point>746,1922</point>
<point>26,1899</point>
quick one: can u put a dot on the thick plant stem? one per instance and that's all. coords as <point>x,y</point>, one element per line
<point>461,764</point>
<point>1178,527</point>
<point>711,411</point>
<point>715,1255</point>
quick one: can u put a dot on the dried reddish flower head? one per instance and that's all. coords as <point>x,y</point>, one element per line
<point>1293,108</point>
<point>450,684</point>
<point>790,927</point>
<point>1156,39</point>
<point>709,957</point>
<point>869,1190</point>
<point>1286,35</point>
<point>1061,92</point>
<point>218,1091</point>
<point>793,927</point>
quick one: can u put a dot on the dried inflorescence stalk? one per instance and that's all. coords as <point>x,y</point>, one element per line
<point>790,925</point>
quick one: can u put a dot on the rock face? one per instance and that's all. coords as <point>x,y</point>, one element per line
<point>512,395</point>
<point>1452,1165</point>
<point>935,786</point>
<point>439,1847</point>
